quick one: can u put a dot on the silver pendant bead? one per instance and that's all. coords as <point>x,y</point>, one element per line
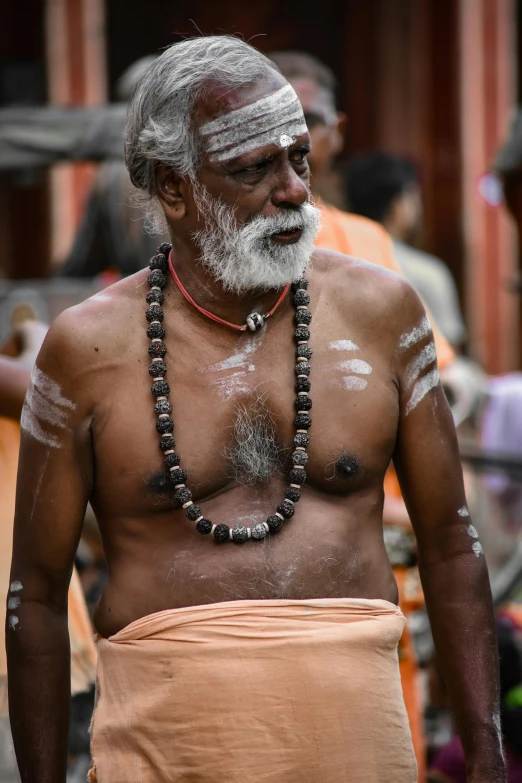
<point>255,321</point>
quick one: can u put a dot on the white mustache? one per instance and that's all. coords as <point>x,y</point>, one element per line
<point>283,221</point>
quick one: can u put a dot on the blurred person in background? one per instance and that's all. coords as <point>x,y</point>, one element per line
<point>17,359</point>
<point>227,167</point>
<point>315,85</point>
<point>112,233</point>
<point>449,765</point>
<point>385,188</point>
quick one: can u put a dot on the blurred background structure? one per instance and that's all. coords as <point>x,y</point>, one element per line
<point>432,80</point>
<point>430,147</point>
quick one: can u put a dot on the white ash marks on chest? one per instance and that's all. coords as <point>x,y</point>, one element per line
<point>349,373</point>
<point>235,372</point>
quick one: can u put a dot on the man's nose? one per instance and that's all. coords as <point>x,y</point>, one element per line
<point>290,187</point>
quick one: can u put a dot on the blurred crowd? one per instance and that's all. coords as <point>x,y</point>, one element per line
<point>371,208</point>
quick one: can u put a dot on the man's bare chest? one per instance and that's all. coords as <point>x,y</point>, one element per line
<point>233,411</point>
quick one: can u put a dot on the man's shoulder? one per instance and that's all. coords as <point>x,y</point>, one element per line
<point>353,282</point>
<point>96,327</point>
<point>333,268</point>
<point>104,313</point>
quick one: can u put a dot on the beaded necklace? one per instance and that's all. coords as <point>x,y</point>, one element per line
<point>157,280</point>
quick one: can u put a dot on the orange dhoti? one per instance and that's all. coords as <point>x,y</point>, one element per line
<point>277,690</point>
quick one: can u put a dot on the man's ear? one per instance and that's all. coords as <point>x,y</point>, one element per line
<point>171,190</point>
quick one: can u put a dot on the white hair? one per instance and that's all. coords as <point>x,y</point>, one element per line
<point>256,454</point>
<point>159,120</point>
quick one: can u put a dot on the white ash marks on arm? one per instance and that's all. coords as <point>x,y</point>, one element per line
<point>45,407</point>
<point>416,382</point>
<point>13,602</point>
<point>413,336</point>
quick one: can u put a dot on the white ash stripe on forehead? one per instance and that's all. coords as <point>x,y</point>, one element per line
<point>279,135</point>
<point>275,119</point>
<point>269,104</point>
<point>415,335</point>
<point>421,389</point>
<point>255,128</point>
<point>420,362</point>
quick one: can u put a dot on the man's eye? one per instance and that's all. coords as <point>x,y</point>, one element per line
<point>255,168</point>
<point>299,156</point>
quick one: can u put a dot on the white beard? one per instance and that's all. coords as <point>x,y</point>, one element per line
<point>244,258</point>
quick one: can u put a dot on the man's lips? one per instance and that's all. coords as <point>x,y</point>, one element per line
<point>288,237</point>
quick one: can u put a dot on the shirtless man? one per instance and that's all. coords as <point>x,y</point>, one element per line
<point>274,658</point>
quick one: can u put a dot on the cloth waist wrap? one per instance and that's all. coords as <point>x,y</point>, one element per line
<point>281,691</point>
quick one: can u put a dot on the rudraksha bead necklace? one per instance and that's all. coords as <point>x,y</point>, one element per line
<point>159,265</point>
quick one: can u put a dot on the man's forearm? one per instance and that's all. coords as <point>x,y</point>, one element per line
<point>38,655</point>
<point>460,608</point>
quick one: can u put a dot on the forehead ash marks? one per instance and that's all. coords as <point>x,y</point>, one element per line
<point>45,405</point>
<point>275,119</point>
<point>355,369</point>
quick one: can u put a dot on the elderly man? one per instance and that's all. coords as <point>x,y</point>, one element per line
<point>247,632</point>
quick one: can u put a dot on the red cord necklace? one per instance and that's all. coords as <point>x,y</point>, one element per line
<point>254,321</point>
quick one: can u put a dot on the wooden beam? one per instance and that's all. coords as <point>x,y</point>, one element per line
<point>77,76</point>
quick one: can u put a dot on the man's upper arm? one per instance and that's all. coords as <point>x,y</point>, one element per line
<point>426,455</point>
<point>55,468</point>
